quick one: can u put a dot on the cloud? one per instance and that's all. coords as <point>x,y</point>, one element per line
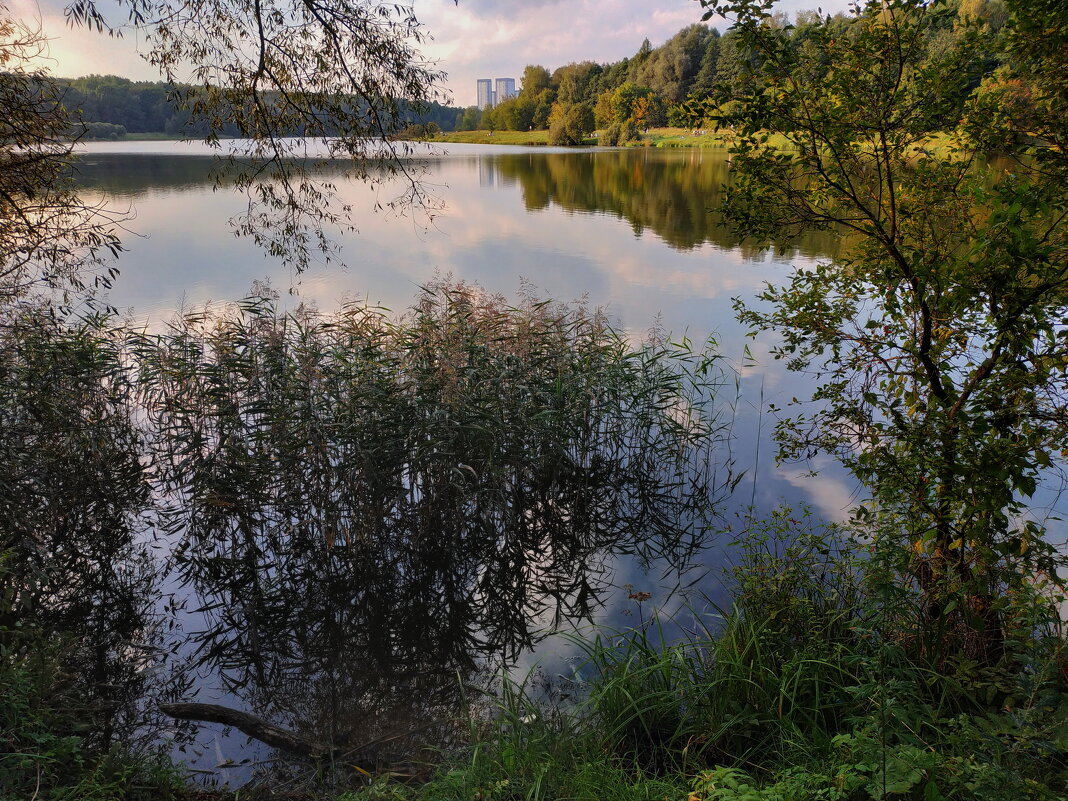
<point>830,490</point>
<point>507,7</point>
<point>76,51</point>
<point>473,39</point>
<point>497,38</point>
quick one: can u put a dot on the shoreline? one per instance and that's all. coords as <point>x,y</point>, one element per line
<point>656,137</point>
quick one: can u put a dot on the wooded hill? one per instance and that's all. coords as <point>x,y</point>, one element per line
<point>672,84</point>
<point>109,107</point>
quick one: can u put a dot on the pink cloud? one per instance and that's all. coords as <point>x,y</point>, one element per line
<point>474,39</point>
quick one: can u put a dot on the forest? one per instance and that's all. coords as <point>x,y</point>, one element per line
<point>668,85</point>
<point>672,84</point>
<point>110,107</point>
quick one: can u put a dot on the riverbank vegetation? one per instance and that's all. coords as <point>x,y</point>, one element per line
<point>112,107</point>
<point>811,685</point>
<point>919,652</point>
<point>675,83</point>
<point>443,479</point>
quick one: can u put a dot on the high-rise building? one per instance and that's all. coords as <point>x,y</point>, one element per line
<point>485,93</point>
<point>505,89</point>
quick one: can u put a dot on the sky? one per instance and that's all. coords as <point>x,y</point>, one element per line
<point>472,39</point>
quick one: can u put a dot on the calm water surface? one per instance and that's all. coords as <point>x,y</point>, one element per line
<point>632,231</point>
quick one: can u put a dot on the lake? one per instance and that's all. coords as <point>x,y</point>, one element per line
<point>634,232</point>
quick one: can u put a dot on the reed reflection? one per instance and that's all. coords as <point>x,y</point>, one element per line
<point>78,584</point>
<point>368,507</point>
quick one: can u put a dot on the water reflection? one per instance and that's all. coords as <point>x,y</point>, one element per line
<point>367,509</point>
<point>78,583</point>
<point>671,193</point>
<point>345,579</point>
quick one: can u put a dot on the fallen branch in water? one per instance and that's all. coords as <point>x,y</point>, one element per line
<point>258,729</point>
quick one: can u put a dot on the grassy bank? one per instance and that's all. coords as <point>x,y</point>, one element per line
<point>809,688</point>
<point>654,137</point>
<point>496,137</point>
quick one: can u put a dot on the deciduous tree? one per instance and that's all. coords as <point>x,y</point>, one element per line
<point>938,336</point>
<point>269,70</point>
<point>47,234</point>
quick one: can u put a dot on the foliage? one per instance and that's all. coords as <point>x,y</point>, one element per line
<point>671,70</point>
<point>536,79</point>
<point>54,728</point>
<point>469,119</point>
<point>444,450</point>
<point>269,68</point>
<point>45,748</point>
<point>262,71</point>
<point>569,124</point>
<point>102,130</point>
<point>147,107</point>
<point>48,235</point>
<point>619,134</point>
<point>76,563</point>
<point>630,103</point>
<point>683,74</point>
<point>577,82</point>
<point>497,455</point>
<point>801,691</point>
<point>517,113</point>
<point>450,483</point>
<point>937,333</point>
<point>417,131</point>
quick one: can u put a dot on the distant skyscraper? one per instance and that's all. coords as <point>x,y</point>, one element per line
<point>485,93</point>
<point>505,89</point>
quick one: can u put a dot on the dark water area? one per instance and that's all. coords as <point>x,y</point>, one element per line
<point>351,600</point>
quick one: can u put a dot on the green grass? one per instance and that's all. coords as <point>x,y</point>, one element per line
<point>654,137</point>
<point>682,138</point>
<point>798,692</point>
<point>496,137</point>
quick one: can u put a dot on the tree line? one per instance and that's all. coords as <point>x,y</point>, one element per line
<point>109,107</point>
<point>672,85</point>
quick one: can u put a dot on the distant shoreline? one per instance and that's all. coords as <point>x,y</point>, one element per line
<point>655,137</point>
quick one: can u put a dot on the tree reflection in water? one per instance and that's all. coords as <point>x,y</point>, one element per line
<point>676,195</point>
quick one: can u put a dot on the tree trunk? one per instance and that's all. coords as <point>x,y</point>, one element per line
<point>264,731</point>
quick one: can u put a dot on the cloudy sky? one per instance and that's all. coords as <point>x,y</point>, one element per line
<point>474,39</point>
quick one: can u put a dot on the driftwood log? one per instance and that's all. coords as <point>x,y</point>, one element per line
<point>264,731</point>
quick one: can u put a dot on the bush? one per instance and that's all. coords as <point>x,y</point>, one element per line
<point>46,740</point>
<point>619,134</point>
<point>609,136</point>
<point>569,123</point>
<point>100,130</point>
<point>418,131</point>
